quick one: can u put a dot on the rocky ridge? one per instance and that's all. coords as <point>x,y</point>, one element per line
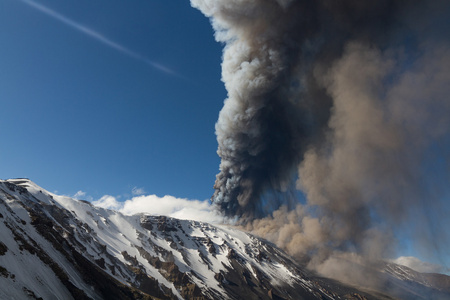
<point>55,247</point>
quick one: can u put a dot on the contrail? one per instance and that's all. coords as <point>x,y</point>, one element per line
<point>97,36</point>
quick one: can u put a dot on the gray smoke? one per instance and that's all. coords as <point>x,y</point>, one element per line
<point>351,96</point>
<point>261,125</point>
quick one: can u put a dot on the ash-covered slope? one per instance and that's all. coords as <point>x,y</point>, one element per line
<point>55,247</point>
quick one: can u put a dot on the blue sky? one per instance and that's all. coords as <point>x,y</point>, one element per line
<point>105,96</point>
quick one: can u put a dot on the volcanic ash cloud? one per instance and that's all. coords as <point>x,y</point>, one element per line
<point>351,96</point>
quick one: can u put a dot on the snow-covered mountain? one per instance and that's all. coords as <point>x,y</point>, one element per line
<point>56,247</point>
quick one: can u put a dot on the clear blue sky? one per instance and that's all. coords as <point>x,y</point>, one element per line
<point>104,96</point>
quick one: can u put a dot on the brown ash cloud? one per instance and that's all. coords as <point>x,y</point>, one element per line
<point>350,96</point>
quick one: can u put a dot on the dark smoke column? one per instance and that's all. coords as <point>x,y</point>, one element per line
<point>351,94</point>
<point>259,125</point>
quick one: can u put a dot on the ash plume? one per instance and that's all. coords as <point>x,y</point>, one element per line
<point>261,124</point>
<point>353,97</point>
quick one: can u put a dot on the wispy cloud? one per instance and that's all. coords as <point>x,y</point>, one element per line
<point>137,191</point>
<point>99,37</point>
<point>80,195</point>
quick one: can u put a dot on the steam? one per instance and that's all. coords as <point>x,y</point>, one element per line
<point>351,96</point>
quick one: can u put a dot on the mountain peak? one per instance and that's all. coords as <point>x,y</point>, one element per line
<point>71,249</point>
<point>79,249</point>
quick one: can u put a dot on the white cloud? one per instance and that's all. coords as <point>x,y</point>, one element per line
<point>172,207</point>
<point>420,266</point>
<point>137,191</point>
<point>108,202</point>
<point>168,206</point>
<point>80,195</point>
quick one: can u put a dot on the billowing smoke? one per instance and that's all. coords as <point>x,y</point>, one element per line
<point>353,97</point>
<point>261,126</point>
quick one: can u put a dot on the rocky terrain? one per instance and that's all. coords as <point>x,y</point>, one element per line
<point>56,247</point>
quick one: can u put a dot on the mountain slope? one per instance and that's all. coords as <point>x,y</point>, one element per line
<point>55,247</point>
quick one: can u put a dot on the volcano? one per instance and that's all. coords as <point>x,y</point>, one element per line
<point>56,247</point>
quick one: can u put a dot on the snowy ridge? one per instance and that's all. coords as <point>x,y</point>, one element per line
<point>56,247</point>
<point>182,259</point>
